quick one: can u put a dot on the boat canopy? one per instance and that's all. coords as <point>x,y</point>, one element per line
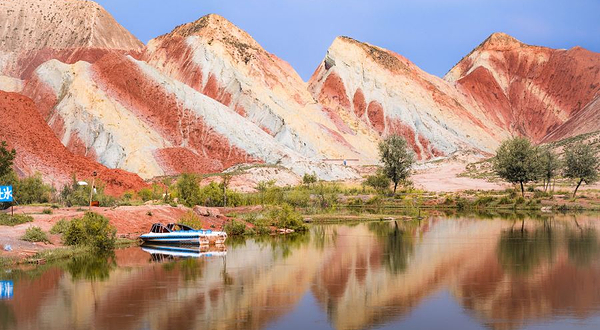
<point>160,228</point>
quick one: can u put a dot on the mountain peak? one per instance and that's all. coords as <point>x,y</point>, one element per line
<point>214,26</point>
<point>500,41</point>
<point>61,24</point>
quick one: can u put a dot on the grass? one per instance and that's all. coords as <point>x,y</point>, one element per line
<point>17,219</point>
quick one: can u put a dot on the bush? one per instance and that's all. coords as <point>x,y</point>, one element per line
<point>380,182</point>
<point>60,227</point>
<point>235,228</point>
<point>32,190</point>
<point>308,179</point>
<point>92,230</point>
<point>286,217</point>
<point>484,201</point>
<point>46,211</point>
<point>35,234</point>
<point>17,219</point>
<point>191,219</point>
<point>298,197</point>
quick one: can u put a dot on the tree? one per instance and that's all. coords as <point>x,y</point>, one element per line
<point>6,159</point>
<point>308,179</point>
<point>225,185</point>
<point>188,189</point>
<point>581,164</point>
<point>549,165</point>
<point>397,159</point>
<point>516,162</point>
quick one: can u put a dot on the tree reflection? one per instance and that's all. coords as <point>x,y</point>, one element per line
<point>92,266</point>
<point>398,245</point>
<point>582,245</point>
<point>521,250</point>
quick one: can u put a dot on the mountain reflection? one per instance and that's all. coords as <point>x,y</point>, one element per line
<point>506,272</point>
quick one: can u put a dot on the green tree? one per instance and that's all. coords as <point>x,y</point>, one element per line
<point>516,161</point>
<point>397,159</point>
<point>6,159</point>
<point>549,166</point>
<point>581,164</point>
<point>188,189</point>
<point>92,230</point>
<point>309,179</point>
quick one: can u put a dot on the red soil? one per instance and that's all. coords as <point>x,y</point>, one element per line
<point>124,81</point>
<point>420,145</point>
<point>333,92</point>
<point>360,105</point>
<point>376,116</point>
<point>38,149</point>
<point>181,160</point>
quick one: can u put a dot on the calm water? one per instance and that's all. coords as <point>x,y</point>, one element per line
<point>439,273</point>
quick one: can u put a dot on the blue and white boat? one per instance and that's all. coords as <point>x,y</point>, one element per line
<point>175,233</point>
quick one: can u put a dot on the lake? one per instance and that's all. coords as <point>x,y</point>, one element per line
<point>514,272</point>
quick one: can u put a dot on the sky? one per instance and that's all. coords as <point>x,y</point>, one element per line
<point>434,34</point>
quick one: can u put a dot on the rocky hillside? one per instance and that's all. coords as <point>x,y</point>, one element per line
<point>207,96</point>
<point>528,90</point>
<point>377,90</point>
<point>216,58</point>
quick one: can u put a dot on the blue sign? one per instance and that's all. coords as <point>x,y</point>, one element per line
<point>6,194</point>
<point>6,289</point>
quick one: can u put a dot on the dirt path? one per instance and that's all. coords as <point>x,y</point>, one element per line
<point>443,177</point>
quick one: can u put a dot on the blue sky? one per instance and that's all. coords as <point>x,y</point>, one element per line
<point>435,34</point>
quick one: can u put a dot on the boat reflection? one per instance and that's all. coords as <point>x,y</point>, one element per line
<point>162,253</point>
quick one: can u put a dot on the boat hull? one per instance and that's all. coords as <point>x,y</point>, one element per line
<point>195,238</point>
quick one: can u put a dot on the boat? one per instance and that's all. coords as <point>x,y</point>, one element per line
<point>176,233</point>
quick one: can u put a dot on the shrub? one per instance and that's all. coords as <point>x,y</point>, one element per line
<point>60,227</point>
<point>145,194</point>
<point>308,179</point>
<point>92,230</point>
<point>32,190</point>
<point>35,234</point>
<point>191,219</point>
<point>235,228</point>
<point>47,211</point>
<point>17,219</point>
<point>298,198</point>
<point>286,217</point>
<point>379,181</point>
<point>484,201</point>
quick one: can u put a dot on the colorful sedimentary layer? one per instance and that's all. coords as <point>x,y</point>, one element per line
<point>528,90</point>
<point>215,57</point>
<point>382,93</point>
<point>39,151</point>
<point>207,96</point>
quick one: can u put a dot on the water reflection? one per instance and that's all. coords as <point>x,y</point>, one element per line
<point>507,273</point>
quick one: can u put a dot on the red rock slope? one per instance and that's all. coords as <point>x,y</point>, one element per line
<point>38,149</point>
<point>528,90</point>
<point>586,120</point>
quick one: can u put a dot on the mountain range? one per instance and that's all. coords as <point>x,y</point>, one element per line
<point>79,93</point>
